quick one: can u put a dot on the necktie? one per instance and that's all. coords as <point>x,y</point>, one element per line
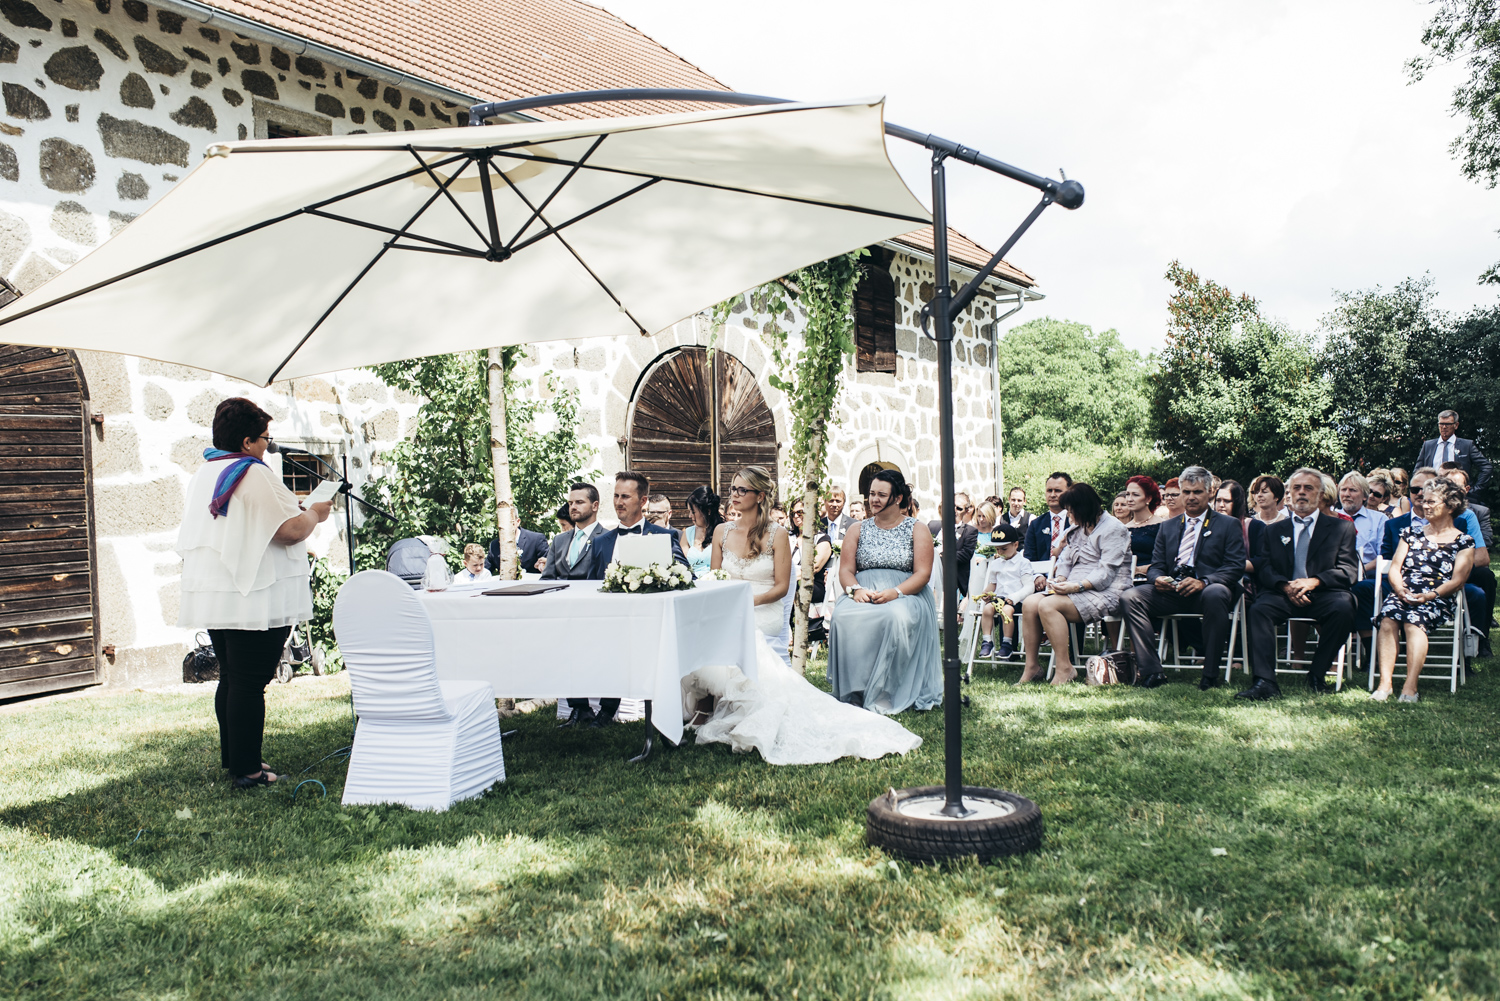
<point>1056,526</point>
<point>637,530</point>
<point>1448,456</point>
<point>576,549</point>
<point>1189,543</point>
<point>1299,553</point>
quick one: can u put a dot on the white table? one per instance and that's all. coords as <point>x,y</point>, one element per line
<point>580,643</point>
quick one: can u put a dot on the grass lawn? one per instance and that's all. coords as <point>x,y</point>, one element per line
<point>1360,859</point>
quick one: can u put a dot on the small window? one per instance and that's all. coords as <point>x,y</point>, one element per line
<point>301,481</point>
<point>272,121</point>
<point>875,320</point>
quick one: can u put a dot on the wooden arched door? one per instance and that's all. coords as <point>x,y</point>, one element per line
<point>691,426</point>
<point>48,593</point>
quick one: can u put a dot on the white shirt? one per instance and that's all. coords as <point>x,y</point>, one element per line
<point>1298,529</point>
<point>233,575</point>
<point>1193,526</point>
<point>466,575</point>
<point>1013,578</point>
<point>631,528</point>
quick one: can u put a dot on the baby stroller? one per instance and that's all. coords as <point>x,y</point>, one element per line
<point>299,650</point>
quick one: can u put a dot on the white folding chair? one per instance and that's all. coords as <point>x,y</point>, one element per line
<point>1170,627</point>
<point>1449,638</point>
<point>420,742</point>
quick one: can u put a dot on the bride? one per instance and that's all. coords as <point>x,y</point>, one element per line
<point>781,715</point>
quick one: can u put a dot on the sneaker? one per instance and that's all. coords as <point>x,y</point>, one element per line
<point>1007,649</point>
<point>987,648</point>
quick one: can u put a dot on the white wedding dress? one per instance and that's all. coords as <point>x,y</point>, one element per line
<point>781,715</point>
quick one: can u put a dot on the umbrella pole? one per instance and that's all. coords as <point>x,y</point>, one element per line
<point>505,529</point>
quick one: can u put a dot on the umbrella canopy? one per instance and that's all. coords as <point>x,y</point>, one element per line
<point>291,257</point>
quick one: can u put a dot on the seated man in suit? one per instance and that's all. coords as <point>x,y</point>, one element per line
<point>1196,568</point>
<point>1016,514</point>
<point>1449,447</point>
<point>631,490</point>
<point>1045,528</point>
<point>965,535</point>
<point>571,556</point>
<point>1304,568</point>
<point>531,549</point>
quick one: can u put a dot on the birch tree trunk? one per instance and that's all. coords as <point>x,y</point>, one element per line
<point>505,520</point>
<point>810,517</point>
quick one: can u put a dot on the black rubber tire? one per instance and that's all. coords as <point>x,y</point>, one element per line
<point>920,839</point>
<point>284,673</point>
<point>316,661</point>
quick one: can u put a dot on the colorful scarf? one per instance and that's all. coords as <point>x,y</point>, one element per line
<point>229,478</point>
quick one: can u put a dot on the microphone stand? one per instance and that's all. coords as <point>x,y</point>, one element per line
<point>347,489</point>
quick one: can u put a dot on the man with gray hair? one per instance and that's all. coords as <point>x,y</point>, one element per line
<point>1449,447</point>
<point>1369,526</point>
<point>1196,569</point>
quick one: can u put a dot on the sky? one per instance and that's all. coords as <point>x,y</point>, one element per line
<point>1276,148</point>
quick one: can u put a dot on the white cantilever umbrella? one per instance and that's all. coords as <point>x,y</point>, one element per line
<point>286,258</point>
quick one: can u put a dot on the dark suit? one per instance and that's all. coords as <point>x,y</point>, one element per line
<point>530,547</point>
<point>967,537</point>
<point>838,529</point>
<point>1468,458</point>
<point>1218,560</point>
<point>558,567</point>
<point>1038,545</point>
<point>1022,521</point>
<point>1333,558</point>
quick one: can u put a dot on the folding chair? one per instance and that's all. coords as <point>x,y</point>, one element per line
<point>1180,662</point>
<point>1449,638</point>
<point>1301,665</point>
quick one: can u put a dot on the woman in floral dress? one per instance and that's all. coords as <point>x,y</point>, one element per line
<point>1430,567</point>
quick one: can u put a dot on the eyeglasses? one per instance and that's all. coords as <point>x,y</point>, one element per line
<point>1378,495</point>
<point>741,491</point>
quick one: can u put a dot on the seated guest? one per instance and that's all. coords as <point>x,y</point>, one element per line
<point>1231,500</point>
<point>1143,498</point>
<point>835,522</point>
<point>697,539</point>
<point>856,511</point>
<point>1047,528</point>
<point>822,553</point>
<point>963,508</point>
<point>984,523</point>
<point>1196,568</point>
<point>1171,500</point>
<point>659,510</point>
<point>531,548</point>
<point>778,514</point>
<point>571,556</point>
<point>1267,492</point>
<point>1093,571</point>
<point>1399,492</point>
<point>1010,578</point>
<point>1483,575</point>
<point>1330,502</point>
<point>966,536</point>
<point>1430,566</point>
<point>1379,497</point>
<point>1354,494</point>
<point>1015,512</point>
<point>564,519</point>
<point>1449,447</point>
<point>474,568</point>
<point>1120,507</point>
<point>1305,569</point>
<point>883,641</point>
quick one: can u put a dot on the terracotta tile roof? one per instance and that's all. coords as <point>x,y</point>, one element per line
<point>966,251</point>
<point>494,49</point>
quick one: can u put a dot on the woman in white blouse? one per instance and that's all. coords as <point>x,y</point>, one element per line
<point>244,576</point>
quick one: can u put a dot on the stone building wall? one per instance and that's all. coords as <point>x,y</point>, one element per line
<point>107,105</point>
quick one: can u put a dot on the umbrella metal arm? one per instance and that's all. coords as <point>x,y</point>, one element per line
<point>945,305</point>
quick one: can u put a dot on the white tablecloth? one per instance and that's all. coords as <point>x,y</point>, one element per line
<point>580,643</point>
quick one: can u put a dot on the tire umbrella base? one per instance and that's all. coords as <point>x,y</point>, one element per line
<point>911,823</point>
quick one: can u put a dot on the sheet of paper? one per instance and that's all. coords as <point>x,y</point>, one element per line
<point>643,550</point>
<point>326,490</point>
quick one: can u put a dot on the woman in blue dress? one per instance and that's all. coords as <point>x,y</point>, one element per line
<point>883,641</point>
<point>698,538</point>
<point>1143,497</point>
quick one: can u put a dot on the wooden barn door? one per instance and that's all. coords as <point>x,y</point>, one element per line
<point>48,594</point>
<point>691,426</point>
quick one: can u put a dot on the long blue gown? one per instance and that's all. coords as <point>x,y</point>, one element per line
<point>888,653</point>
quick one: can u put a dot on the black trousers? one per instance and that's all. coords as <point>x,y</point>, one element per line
<point>1143,603</point>
<point>1484,579</point>
<point>1335,611</point>
<point>247,663</point>
<point>607,707</point>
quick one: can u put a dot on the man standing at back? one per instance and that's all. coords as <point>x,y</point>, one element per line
<point>1047,527</point>
<point>1449,447</point>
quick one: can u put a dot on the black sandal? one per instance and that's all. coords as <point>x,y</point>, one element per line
<point>262,778</point>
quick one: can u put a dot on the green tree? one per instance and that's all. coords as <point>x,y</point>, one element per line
<point>1063,386</point>
<point>1457,366</point>
<point>1236,393</point>
<point>1468,31</point>
<point>1373,346</point>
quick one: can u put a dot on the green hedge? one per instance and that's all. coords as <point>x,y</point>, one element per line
<point>1105,469</point>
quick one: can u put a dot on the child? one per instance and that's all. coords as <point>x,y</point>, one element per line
<point>1009,578</point>
<point>473,564</point>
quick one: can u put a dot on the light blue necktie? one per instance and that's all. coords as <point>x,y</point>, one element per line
<point>1299,554</point>
<point>579,538</point>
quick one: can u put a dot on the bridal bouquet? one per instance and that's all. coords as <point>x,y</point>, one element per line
<point>658,577</point>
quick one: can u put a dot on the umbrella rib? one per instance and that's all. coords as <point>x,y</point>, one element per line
<point>357,279</point>
<point>537,212</point>
<point>720,187</point>
<point>476,255</point>
<point>451,199</point>
<point>381,183</point>
<point>552,230</point>
<point>607,290</point>
<point>393,232</point>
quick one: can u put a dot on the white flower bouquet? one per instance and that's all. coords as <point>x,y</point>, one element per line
<point>653,579</point>
<point>717,575</point>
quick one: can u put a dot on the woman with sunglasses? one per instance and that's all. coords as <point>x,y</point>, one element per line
<point>245,576</point>
<point>1399,498</point>
<point>1379,497</point>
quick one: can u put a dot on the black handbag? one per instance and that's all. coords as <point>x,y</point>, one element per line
<point>201,663</point>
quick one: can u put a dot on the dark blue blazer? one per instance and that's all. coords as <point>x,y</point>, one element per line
<point>530,547</point>
<point>1468,458</point>
<point>604,548</point>
<point>1038,545</point>
<point>1219,558</point>
<point>1395,526</point>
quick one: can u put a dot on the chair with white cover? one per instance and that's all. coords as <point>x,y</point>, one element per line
<point>420,742</point>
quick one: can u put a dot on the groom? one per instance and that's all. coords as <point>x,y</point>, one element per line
<point>631,490</point>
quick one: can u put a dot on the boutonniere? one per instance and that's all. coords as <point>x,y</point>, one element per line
<point>1207,533</point>
<point>1286,540</point>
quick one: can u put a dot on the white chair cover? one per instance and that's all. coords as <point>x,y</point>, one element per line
<point>420,742</point>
